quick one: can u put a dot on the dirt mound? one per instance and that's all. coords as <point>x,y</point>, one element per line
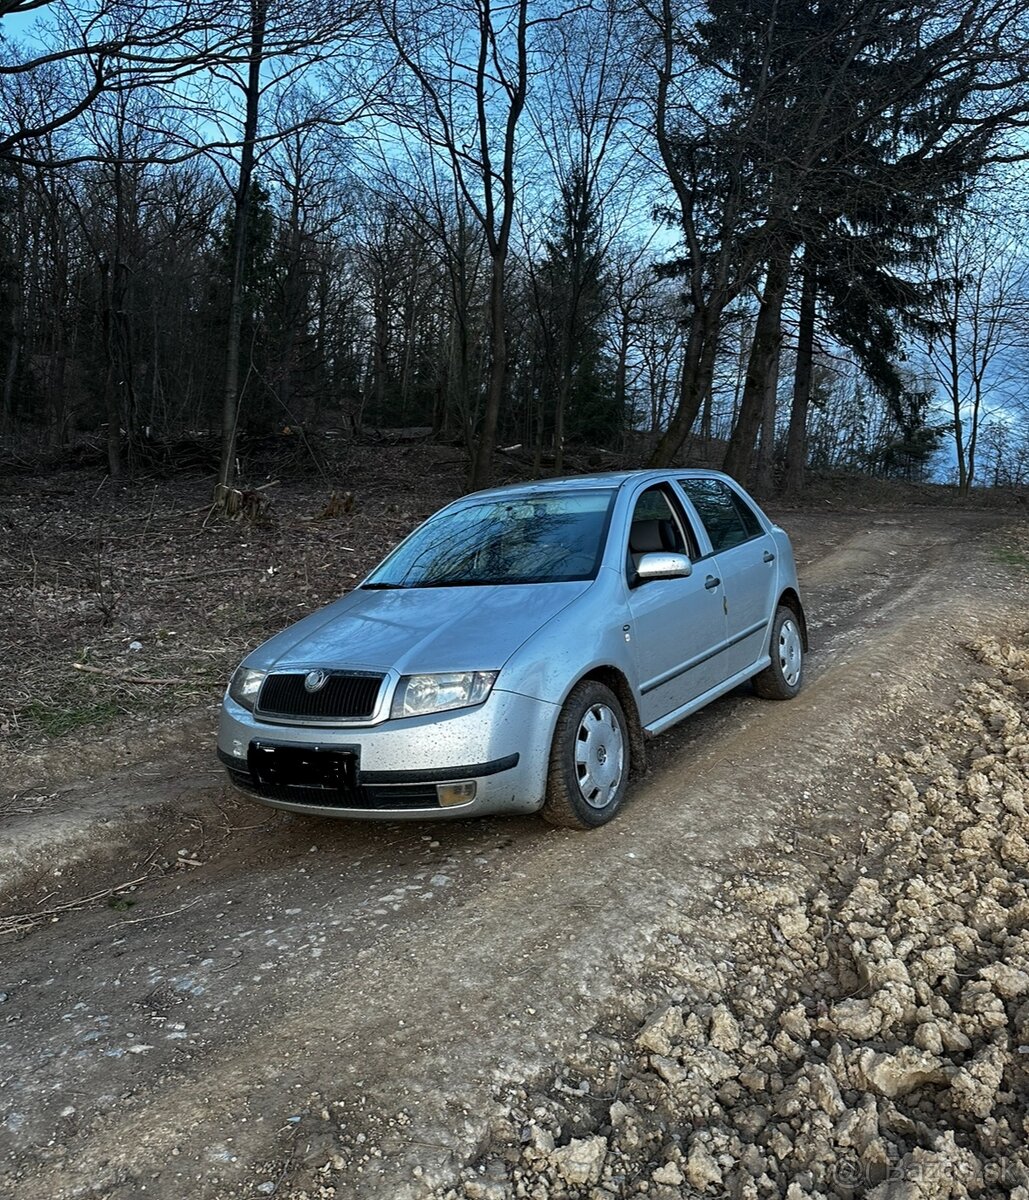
<point>870,1039</point>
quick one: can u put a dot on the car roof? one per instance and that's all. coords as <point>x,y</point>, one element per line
<point>602,479</point>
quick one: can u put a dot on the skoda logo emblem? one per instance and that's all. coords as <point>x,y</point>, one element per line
<point>314,680</point>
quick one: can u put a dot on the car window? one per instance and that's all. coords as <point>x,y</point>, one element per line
<point>751,521</point>
<point>523,539</point>
<point>727,520</point>
<point>657,526</point>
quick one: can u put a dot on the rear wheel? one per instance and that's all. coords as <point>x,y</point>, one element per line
<point>782,678</point>
<point>589,759</point>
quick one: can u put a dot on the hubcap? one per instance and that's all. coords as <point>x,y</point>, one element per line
<point>599,756</point>
<point>790,652</point>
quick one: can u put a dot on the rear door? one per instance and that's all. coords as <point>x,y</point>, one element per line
<point>746,560</point>
<point>678,625</point>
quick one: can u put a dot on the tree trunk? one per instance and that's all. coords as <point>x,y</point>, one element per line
<point>16,286</point>
<point>113,414</point>
<point>764,482</point>
<point>764,357</point>
<point>11,371</point>
<point>622,374</point>
<point>707,415</point>
<point>954,382</point>
<point>537,443</point>
<point>124,352</point>
<point>973,436</point>
<point>796,438</point>
<point>695,383</point>
<point>482,463</point>
<point>560,405</point>
<point>442,388</point>
<point>295,310</point>
<point>118,385</point>
<point>241,199</point>
<point>458,376</point>
<point>459,393</point>
<point>380,349</point>
<point>740,370</point>
<point>112,409</point>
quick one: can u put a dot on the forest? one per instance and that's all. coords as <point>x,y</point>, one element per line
<point>776,235</point>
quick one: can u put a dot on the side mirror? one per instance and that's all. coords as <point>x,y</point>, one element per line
<point>663,566</point>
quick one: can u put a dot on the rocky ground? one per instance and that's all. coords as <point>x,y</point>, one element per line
<point>870,1036</point>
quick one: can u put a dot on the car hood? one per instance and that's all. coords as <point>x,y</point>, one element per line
<point>419,630</point>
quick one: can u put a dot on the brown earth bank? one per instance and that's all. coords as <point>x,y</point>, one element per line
<point>203,997</point>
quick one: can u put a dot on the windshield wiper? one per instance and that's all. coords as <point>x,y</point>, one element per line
<point>434,583</point>
<point>455,583</point>
<point>442,583</point>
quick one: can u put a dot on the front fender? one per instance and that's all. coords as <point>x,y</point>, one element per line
<point>587,636</point>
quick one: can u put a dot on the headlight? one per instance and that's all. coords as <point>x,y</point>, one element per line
<point>420,694</point>
<point>245,685</point>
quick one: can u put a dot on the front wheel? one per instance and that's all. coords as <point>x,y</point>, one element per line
<point>589,759</point>
<point>782,678</point>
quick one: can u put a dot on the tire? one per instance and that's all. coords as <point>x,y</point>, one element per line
<point>589,759</point>
<point>783,677</point>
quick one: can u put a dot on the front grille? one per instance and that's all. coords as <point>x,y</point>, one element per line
<point>362,797</point>
<point>345,694</point>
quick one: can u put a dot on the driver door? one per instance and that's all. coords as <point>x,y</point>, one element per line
<point>678,626</point>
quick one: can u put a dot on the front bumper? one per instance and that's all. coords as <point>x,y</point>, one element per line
<point>393,768</point>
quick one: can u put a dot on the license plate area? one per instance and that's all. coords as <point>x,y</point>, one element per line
<point>332,770</point>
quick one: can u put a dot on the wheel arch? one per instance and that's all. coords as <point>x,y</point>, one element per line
<point>791,600</point>
<point>615,680</point>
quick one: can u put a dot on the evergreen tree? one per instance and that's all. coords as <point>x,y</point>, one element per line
<point>850,125</point>
<point>574,302</point>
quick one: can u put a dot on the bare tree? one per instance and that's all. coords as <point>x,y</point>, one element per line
<point>82,49</point>
<point>13,253</point>
<point>307,172</point>
<point>1004,452</point>
<point>980,313</point>
<point>283,40</point>
<point>641,303</point>
<point>579,117</point>
<point>251,87</point>
<point>466,68</point>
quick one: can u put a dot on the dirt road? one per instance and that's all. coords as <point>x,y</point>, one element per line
<point>289,1007</point>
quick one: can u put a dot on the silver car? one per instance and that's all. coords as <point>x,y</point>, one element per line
<point>516,651</point>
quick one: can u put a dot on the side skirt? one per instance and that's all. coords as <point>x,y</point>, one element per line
<point>672,718</point>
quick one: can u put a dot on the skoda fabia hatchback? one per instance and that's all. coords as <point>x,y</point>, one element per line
<point>517,650</point>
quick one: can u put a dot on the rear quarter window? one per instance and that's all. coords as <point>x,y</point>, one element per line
<point>729,521</point>
<point>751,521</point>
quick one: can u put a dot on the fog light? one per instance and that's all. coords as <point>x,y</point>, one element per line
<point>450,794</point>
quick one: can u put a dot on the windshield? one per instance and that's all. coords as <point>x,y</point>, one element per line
<point>531,539</point>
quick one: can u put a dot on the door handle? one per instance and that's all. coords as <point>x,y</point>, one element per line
<point>712,581</point>
<point>768,556</point>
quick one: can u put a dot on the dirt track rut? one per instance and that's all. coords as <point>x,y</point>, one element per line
<point>319,1006</point>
